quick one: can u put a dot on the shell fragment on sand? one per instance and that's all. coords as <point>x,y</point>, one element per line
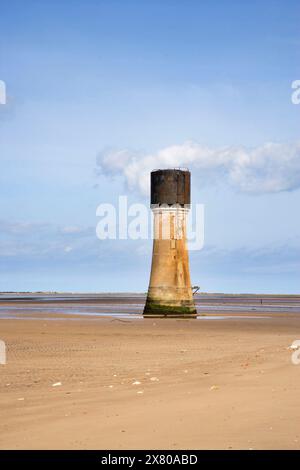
<point>57,384</point>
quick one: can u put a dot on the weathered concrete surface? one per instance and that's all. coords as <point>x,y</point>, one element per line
<point>170,292</point>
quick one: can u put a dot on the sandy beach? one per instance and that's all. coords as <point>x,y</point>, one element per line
<point>127,383</point>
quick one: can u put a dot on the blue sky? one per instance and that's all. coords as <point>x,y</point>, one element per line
<point>86,79</point>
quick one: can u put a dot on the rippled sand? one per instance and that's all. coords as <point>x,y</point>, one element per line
<point>117,381</point>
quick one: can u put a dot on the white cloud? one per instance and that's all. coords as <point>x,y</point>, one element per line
<point>2,92</point>
<point>72,229</point>
<point>269,168</point>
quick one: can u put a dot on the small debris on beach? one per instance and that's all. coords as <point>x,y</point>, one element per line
<point>294,346</point>
<point>154,379</point>
<point>136,383</point>
<point>214,387</point>
<point>57,384</point>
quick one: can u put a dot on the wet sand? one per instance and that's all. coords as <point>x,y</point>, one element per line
<point>127,383</point>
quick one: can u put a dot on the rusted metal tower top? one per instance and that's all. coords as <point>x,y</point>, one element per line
<point>172,186</point>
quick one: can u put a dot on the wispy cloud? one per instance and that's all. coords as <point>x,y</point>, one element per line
<point>269,168</point>
<point>21,239</point>
<point>272,260</point>
<point>61,244</point>
<point>44,256</point>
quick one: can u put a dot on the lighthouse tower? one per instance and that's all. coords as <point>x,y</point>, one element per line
<point>170,293</point>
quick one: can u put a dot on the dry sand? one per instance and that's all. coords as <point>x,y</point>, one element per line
<point>130,384</point>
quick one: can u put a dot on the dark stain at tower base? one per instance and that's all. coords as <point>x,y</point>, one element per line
<point>153,309</point>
